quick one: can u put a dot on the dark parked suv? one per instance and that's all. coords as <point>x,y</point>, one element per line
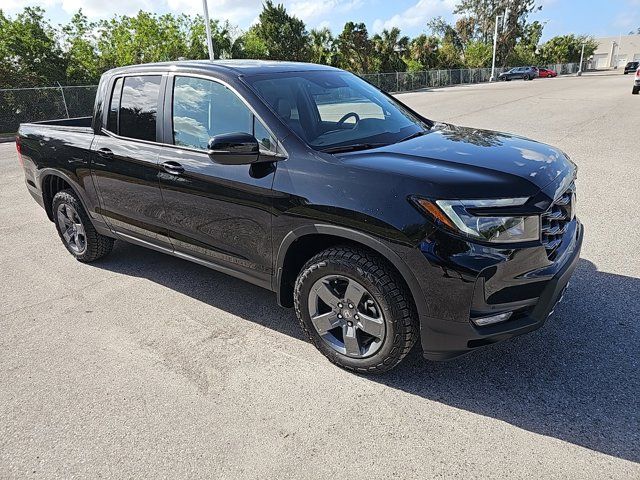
<point>379,226</point>
<point>631,67</point>
<point>525,73</point>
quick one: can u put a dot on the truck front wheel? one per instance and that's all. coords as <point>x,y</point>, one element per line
<point>355,309</point>
<point>76,230</point>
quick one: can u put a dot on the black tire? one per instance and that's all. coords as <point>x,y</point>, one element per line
<point>95,245</point>
<point>635,90</point>
<point>385,287</point>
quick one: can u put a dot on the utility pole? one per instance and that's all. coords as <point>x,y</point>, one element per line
<point>208,27</point>
<point>495,45</point>
<point>581,57</point>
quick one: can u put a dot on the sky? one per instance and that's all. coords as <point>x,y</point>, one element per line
<point>594,17</point>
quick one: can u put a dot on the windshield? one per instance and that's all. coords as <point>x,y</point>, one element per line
<point>331,109</point>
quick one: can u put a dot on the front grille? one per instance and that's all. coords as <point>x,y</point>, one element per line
<point>555,220</point>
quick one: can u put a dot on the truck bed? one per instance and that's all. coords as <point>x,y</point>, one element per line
<point>63,124</point>
<point>62,145</point>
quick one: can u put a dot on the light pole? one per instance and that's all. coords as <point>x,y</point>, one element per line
<point>495,45</point>
<point>208,28</point>
<point>581,57</point>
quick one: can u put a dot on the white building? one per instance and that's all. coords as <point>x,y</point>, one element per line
<point>616,51</point>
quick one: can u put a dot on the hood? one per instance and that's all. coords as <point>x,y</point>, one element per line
<point>459,162</point>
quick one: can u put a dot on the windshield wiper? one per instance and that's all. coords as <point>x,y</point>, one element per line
<point>352,148</point>
<point>414,135</point>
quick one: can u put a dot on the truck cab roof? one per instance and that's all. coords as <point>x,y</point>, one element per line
<point>237,66</point>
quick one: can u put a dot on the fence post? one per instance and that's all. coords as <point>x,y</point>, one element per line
<point>63,99</point>
<point>397,81</point>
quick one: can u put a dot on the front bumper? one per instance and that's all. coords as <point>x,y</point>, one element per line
<point>517,280</point>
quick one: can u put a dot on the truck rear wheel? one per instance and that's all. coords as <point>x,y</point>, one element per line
<point>355,310</point>
<point>76,230</point>
<point>635,90</point>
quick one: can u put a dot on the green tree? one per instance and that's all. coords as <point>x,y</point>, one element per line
<point>80,51</point>
<point>30,54</point>
<point>250,45</point>
<point>197,38</point>
<point>284,36</point>
<point>446,32</point>
<point>423,51</point>
<point>322,46</point>
<point>477,54</point>
<point>567,49</point>
<point>465,29</point>
<point>525,52</point>
<point>449,56</point>
<point>515,14</point>
<point>356,48</point>
<point>389,47</point>
<point>141,39</point>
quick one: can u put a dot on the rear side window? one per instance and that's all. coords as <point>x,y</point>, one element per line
<point>139,107</point>
<point>114,106</point>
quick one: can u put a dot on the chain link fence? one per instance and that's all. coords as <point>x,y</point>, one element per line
<point>408,81</point>
<point>18,105</point>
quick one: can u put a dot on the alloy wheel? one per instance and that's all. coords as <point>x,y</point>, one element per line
<point>72,228</point>
<point>346,316</point>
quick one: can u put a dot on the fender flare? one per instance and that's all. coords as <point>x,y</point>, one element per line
<point>96,219</point>
<point>356,236</point>
<point>47,172</point>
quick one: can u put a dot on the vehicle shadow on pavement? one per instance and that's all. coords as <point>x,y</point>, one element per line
<point>575,379</point>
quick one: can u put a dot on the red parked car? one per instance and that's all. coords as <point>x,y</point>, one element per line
<point>546,73</point>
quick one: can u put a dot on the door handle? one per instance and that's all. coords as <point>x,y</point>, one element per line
<point>105,153</point>
<point>173,168</point>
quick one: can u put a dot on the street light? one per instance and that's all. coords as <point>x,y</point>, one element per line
<point>581,57</point>
<point>495,44</point>
<point>208,28</point>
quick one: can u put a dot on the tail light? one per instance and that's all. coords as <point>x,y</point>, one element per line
<point>19,150</point>
<point>638,73</point>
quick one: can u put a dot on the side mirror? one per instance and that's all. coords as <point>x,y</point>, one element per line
<point>234,149</point>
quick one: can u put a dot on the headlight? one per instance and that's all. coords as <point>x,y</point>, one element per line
<point>488,228</point>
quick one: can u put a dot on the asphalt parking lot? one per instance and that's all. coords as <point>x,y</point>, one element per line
<point>143,365</point>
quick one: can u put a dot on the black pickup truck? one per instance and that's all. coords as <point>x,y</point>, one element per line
<point>377,224</point>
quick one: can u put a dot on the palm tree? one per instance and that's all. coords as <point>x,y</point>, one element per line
<point>323,46</point>
<point>424,49</point>
<point>390,46</point>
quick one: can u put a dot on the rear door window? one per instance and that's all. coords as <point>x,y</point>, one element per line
<point>139,107</point>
